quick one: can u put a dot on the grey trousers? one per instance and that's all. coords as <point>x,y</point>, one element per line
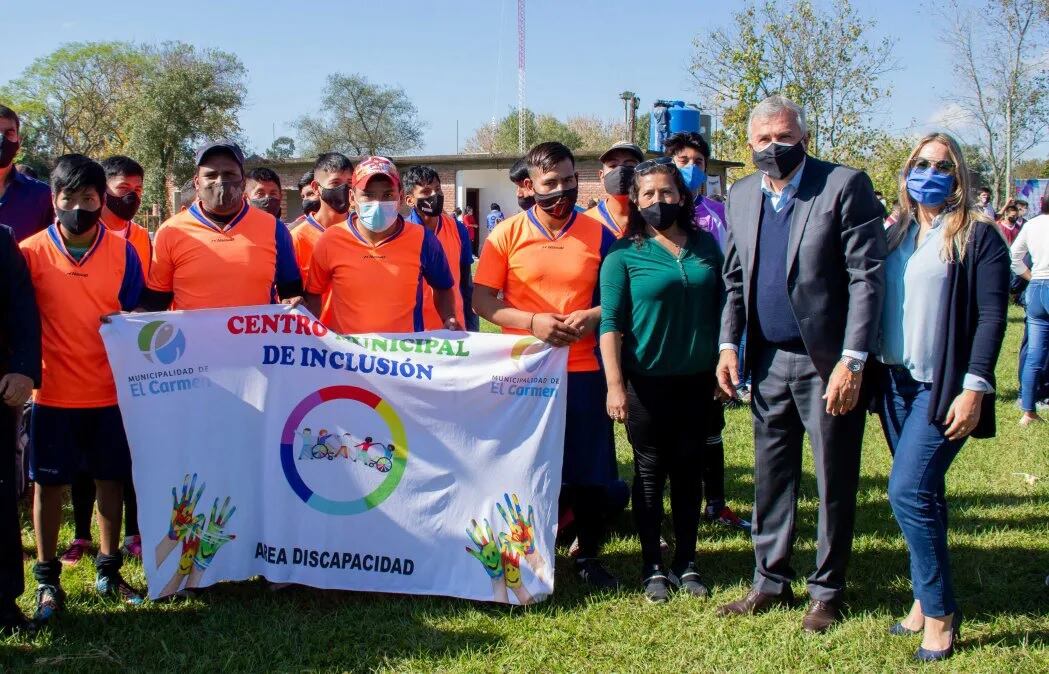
<point>787,402</point>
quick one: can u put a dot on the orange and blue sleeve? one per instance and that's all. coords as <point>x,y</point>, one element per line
<point>287,267</point>
<point>131,286</point>
<point>434,264</point>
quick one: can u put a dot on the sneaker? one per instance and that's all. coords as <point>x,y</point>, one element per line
<point>656,589</point>
<point>593,573</point>
<point>116,586</point>
<point>76,550</point>
<point>689,581</point>
<point>133,547</point>
<point>728,518</point>
<point>49,601</point>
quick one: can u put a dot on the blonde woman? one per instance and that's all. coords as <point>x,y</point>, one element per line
<point>943,321</point>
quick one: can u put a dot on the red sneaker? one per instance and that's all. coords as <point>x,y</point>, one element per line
<point>77,549</point>
<point>133,547</point>
<point>729,519</point>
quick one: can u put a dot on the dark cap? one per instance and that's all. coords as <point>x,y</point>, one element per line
<point>625,146</point>
<point>221,145</point>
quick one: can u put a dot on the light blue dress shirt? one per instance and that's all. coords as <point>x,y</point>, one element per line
<point>915,294</point>
<point>781,199</point>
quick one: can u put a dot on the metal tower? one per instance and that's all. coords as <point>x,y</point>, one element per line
<point>521,76</point>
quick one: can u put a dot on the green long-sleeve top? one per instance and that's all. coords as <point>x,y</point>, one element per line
<point>667,308</point>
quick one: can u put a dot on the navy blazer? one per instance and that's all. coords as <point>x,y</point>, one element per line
<point>20,322</point>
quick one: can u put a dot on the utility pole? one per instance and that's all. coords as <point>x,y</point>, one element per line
<point>521,76</point>
<point>1008,150</point>
<point>630,103</point>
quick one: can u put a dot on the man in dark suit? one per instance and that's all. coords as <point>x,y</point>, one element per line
<point>804,276</point>
<point>19,373</point>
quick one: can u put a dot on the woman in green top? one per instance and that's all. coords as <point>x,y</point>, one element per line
<point>661,297</point>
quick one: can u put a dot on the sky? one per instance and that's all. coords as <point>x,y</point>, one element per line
<point>457,59</point>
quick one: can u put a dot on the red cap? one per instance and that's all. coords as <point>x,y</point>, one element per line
<point>375,166</point>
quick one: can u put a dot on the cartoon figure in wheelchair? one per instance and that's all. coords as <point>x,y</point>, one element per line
<point>328,447</point>
<point>375,454</point>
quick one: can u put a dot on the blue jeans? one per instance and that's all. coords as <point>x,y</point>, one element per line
<point>921,457</point>
<point>1037,342</point>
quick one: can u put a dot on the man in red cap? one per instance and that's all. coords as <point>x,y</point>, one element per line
<point>375,262</point>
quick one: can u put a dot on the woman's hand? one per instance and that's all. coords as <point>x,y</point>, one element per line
<point>964,414</point>
<point>615,403</point>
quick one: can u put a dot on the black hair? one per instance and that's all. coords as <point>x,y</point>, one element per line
<point>306,179</point>
<point>635,225</point>
<point>74,172</point>
<point>679,141</point>
<point>458,211</point>
<point>187,194</point>
<point>494,206</point>
<point>8,113</point>
<point>545,156</point>
<point>1022,202</point>
<point>119,165</point>
<point>877,193</point>
<point>984,189</point>
<point>332,162</point>
<point>519,171</point>
<point>263,174</point>
<point>418,175</point>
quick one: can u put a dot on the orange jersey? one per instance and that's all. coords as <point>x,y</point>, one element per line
<point>377,288</point>
<point>136,235</point>
<point>304,238</point>
<point>454,247</point>
<point>208,265</point>
<point>72,295</point>
<point>604,216</point>
<point>542,272</point>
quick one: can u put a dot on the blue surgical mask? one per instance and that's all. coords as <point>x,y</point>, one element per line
<point>694,176</point>
<point>928,187</point>
<point>377,216</point>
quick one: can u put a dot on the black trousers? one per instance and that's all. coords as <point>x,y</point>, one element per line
<point>787,404</point>
<point>12,583</point>
<point>667,425</point>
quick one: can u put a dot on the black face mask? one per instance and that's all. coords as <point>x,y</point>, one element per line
<point>124,207</point>
<point>8,150</point>
<point>617,181</point>
<point>558,205</point>
<point>1011,218</point>
<point>222,196</point>
<point>338,198</point>
<point>660,215</point>
<point>431,205</point>
<point>525,202</point>
<point>78,221</point>
<point>269,204</point>
<point>311,206</point>
<point>778,161</point>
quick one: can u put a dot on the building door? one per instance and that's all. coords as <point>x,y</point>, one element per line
<point>473,200</point>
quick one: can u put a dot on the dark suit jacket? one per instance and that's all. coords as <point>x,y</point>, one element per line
<point>19,320</point>
<point>835,261</point>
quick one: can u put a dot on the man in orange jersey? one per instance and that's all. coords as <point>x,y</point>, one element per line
<point>221,251</point>
<point>330,182</point>
<point>544,263</point>
<point>617,173</point>
<point>375,263</point>
<point>80,272</point>
<point>423,194</point>
<point>123,197</point>
<point>264,191</point>
<point>310,201</point>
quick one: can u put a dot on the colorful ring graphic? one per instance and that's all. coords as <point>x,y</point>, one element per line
<point>397,436</point>
<point>524,347</point>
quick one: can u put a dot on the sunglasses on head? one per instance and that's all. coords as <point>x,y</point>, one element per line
<point>942,166</point>
<point>649,164</point>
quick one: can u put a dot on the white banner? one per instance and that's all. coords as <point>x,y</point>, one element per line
<point>265,445</point>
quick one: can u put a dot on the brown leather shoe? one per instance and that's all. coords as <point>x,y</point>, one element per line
<point>757,602</point>
<point>820,616</point>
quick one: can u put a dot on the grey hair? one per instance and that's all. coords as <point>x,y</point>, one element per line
<point>772,106</point>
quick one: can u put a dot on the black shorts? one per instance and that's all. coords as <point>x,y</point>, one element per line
<point>63,441</point>
<point>590,450</point>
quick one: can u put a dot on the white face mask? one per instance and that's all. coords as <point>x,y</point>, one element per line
<point>377,216</point>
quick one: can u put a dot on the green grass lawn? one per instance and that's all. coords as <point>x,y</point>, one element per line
<point>999,540</point>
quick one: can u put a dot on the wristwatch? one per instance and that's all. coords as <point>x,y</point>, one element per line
<point>854,365</point>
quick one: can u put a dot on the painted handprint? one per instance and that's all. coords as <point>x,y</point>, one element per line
<point>522,531</point>
<point>510,552</point>
<point>487,552</point>
<point>213,535</point>
<point>182,507</point>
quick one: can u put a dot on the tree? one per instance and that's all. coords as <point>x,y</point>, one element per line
<point>282,149</point>
<point>884,162</point>
<point>823,60</point>
<point>1029,169</point>
<point>1002,75</point>
<point>186,97</point>
<point>361,118</point>
<point>501,137</point>
<point>75,99</point>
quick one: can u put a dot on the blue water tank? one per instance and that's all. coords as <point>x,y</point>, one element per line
<point>668,118</point>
